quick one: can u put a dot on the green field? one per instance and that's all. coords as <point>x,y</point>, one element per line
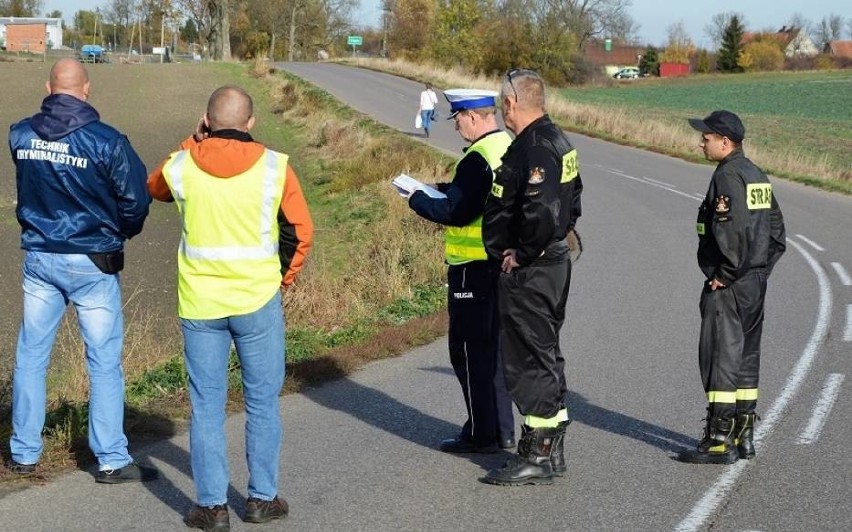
<point>793,113</point>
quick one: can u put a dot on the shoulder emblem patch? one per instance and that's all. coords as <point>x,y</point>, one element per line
<point>723,204</point>
<point>536,176</point>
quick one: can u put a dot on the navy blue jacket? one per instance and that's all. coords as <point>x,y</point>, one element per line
<point>81,186</point>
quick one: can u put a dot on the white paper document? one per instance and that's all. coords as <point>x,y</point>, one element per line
<point>405,185</point>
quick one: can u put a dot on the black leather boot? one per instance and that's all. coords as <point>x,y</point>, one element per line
<point>745,435</point>
<point>532,463</point>
<point>557,454</point>
<point>717,447</point>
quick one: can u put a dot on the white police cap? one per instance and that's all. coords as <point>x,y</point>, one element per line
<point>464,99</point>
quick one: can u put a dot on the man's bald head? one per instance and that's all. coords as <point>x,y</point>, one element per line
<point>230,107</point>
<point>68,76</point>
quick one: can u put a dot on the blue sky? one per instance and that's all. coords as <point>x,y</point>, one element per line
<point>653,16</point>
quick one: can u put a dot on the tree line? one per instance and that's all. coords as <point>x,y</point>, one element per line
<point>483,36</point>
<point>220,29</point>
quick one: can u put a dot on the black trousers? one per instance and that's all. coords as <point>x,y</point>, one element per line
<point>474,352</point>
<point>532,302</point>
<point>729,345</point>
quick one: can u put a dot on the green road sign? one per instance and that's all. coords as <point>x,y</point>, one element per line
<point>354,40</point>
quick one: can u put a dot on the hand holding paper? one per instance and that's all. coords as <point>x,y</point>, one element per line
<point>407,185</point>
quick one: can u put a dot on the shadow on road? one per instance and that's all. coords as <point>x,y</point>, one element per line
<point>152,440</point>
<point>598,417</point>
<point>582,411</point>
<point>384,412</point>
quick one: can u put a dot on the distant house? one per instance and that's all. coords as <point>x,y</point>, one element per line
<point>612,60</point>
<point>839,49</point>
<point>794,42</point>
<point>30,34</point>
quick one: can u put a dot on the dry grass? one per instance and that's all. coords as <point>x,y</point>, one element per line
<point>619,124</point>
<point>145,346</point>
<point>369,250</point>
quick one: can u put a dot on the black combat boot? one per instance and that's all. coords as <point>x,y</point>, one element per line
<point>745,435</point>
<point>717,447</point>
<point>532,463</point>
<point>557,454</point>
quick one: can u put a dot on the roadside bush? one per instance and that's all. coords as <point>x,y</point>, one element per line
<point>584,72</point>
<point>703,62</point>
<point>800,62</point>
<point>824,62</point>
<point>761,56</point>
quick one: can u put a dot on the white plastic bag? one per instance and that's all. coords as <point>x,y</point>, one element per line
<point>418,121</point>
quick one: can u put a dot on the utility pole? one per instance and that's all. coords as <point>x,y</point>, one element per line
<point>162,35</point>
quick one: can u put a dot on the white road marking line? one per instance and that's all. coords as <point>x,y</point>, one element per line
<point>811,243</point>
<point>841,272</point>
<point>847,334</point>
<point>648,182</point>
<point>822,409</point>
<point>714,496</point>
<point>661,183</point>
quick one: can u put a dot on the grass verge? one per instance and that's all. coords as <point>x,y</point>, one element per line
<point>800,121</point>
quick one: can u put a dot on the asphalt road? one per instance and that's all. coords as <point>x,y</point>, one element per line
<point>360,453</point>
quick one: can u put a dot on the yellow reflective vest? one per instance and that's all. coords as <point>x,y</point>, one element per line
<point>228,261</point>
<point>464,244</point>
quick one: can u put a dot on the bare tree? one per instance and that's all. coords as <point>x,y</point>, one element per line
<point>797,20</point>
<point>829,29</point>
<point>849,27</point>
<point>679,47</point>
<point>715,29</point>
<point>625,29</point>
<point>212,19</point>
<point>591,18</point>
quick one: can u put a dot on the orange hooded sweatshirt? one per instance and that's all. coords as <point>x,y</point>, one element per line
<point>226,157</point>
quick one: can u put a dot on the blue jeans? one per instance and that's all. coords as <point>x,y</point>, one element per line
<point>259,341</point>
<point>426,118</point>
<point>51,280</point>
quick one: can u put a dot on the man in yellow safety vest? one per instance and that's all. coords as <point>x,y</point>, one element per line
<point>245,233</point>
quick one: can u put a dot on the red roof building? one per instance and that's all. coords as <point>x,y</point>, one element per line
<point>839,49</point>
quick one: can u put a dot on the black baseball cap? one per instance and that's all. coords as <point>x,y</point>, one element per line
<point>724,123</point>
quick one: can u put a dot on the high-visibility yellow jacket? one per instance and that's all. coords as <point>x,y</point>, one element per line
<point>464,244</point>
<point>245,224</point>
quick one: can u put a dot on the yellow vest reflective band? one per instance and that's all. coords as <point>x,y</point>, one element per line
<point>228,261</point>
<point>464,244</point>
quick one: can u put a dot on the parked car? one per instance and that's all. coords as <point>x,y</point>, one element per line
<point>627,73</point>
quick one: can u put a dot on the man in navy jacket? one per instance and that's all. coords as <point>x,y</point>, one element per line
<point>81,193</point>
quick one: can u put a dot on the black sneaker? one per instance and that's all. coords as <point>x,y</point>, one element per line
<point>132,472</point>
<point>20,469</point>
<point>210,518</point>
<point>260,511</point>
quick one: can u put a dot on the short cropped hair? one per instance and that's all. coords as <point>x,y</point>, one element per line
<point>229,107</point>
<point>526,86</point>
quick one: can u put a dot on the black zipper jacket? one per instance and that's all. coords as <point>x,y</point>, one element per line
<point>740,225</point>
<point>535,199</point>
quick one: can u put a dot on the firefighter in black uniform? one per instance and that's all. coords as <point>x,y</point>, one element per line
<point>740,238</point>
<point>471,278</point>
<point>533,205</point>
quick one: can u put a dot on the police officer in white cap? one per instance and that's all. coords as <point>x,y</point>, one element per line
<point>472,279</point>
